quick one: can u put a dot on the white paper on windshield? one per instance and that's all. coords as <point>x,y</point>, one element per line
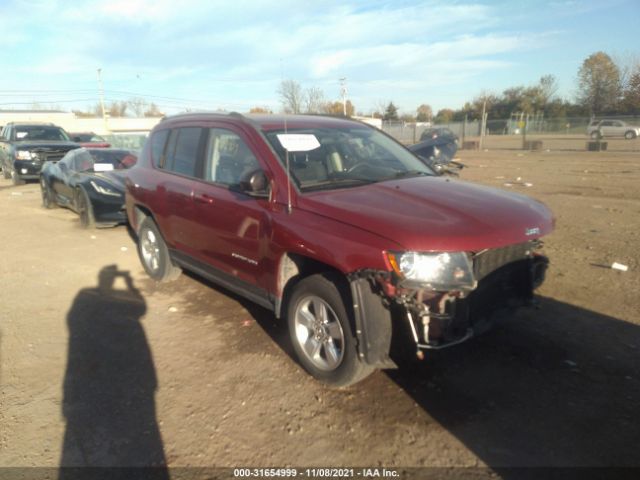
<point>21,134</point>
<point>102,167</point>
<point>298,142</point>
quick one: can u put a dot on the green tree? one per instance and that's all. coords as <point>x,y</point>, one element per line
<point>598,83</point>
<point>391,112</point>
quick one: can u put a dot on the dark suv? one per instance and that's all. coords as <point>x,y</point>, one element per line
<point>25,147</point>
<point>336,228</point>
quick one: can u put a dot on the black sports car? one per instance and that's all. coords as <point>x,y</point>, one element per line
<point>89,181</point>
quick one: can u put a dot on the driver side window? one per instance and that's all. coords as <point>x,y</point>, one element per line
<point>228,158</point>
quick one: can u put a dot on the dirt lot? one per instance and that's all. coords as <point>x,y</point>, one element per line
<point>137,374</point>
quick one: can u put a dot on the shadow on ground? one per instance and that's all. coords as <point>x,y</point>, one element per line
<point>110,381</point>
<point>555,387</point>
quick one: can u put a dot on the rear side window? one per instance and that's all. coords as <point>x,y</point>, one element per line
<point>182,150</point>
<point>158,141</point>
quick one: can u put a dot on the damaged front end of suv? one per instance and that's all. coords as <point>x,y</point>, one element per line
<point>441,299</point>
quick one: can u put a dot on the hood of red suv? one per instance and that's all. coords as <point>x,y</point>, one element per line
<point>435,213</point>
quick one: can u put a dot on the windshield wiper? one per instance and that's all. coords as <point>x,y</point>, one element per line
<point>411,173</point>
<point>337,183</point>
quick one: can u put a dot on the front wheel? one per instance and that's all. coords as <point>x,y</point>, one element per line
<point>595,135</point>
<point>85,209</point>
<point>322,333</point>
<point>630,135</point>
<point>48,200</point>
<point>6,173</point>
<point>154,254</point>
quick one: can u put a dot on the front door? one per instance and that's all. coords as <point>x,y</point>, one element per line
<point>232,225</point>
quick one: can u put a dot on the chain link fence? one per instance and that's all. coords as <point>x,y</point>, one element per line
<point>555,134</point>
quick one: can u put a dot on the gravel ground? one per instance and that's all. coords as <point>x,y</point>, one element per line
<point>101,366</point>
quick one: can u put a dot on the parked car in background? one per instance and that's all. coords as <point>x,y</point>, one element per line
<point>25,147</point>
<point>436,132</point>
<point>437,151</point>
<point>337,228</point>
<point>89,139</point>
<point>89,181</point>
<point>612,128</point>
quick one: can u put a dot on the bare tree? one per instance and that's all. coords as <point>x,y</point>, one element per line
<point>118,109</point>
<point>424,113</point>
<point>548,86</point>
<point>314,100</point>
<point>291,96</point>
<point>138,106</point>
<point>152,110</point>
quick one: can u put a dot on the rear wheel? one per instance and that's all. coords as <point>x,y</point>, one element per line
<point>630,135</point>
<point>85,209</point>
<point>595,135</point>
<point>48,200</point>
<point>154,254</point>
<point>322,333</point>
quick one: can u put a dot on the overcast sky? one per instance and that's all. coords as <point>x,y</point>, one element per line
<point>205,54</point>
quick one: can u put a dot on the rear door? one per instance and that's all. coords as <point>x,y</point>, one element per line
<point>180,162</point>
<point>607,129</point>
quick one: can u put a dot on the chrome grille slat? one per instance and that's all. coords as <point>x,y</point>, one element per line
<point>492,259</point>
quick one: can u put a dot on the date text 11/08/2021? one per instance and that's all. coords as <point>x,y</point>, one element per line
<point>315,472</point>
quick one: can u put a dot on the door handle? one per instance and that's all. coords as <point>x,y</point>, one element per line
<point>203,198</point>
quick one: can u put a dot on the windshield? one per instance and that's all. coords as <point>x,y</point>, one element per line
<point>345,157</point>
<point>106,160</point>
<point>87,138</point>
<point>39,132</point>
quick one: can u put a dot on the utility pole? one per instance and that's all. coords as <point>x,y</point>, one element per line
<point>101,92</point>
<point>343,92</point>
<point>483,124</point>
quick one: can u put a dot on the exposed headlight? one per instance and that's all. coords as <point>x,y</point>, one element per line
<point>104,189</point>
<point>25,155</point>
<point>438,271</point>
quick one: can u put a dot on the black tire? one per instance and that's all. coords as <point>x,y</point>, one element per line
<point>6,173</point>
<point>332,291</point>
<point>48,200</point>
<point>630,135</point>
<point>15,179</point>
<point>595,135</point>
<point>154,254</point>
<point>85,209</point>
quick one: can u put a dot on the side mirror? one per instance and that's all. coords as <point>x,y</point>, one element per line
<point>255,184</point>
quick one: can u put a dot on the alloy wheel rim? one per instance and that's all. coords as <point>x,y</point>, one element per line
<point>150,250</point>
<point>319,333</point>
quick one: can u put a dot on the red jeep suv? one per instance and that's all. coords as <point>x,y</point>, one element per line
<point>337,228</point>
